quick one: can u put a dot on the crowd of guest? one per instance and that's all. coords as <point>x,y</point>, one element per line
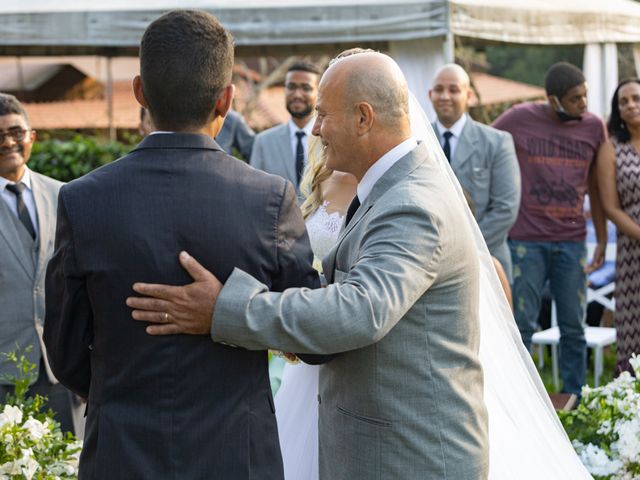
<point>526,177</point>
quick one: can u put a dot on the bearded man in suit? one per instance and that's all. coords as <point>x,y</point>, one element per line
<point>483,159</point>
<point>403,397</point>
<point>182,406</point>
<point>282,150</point>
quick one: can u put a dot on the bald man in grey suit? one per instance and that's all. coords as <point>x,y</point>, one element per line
<point>403,397</point>
<point>483,159</point>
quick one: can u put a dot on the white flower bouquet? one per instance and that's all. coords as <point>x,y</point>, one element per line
<point>605,428</point>
<point>32,446</point>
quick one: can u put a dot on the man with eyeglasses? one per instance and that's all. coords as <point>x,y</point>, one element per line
<point>27,229</point>
<point>282,150</point>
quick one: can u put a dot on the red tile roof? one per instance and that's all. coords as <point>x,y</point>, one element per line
<point>269,109</point>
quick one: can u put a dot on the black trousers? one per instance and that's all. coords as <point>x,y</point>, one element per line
<point>59,399</point>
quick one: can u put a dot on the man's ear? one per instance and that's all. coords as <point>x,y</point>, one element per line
<point>223,104</point>
<point>138,92</point>
<point>554,101</point>
<point>365,115</point>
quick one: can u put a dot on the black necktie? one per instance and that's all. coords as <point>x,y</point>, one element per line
<point>446,148</point>
<point>353,206</point>
<point>299,155</point>
<point>23,213</point>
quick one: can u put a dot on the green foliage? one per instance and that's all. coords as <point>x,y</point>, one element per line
<point>528,64</point>
<point>605,428</point>
<point>66,160</point>
<point>32,446</point>
<point>25,377</point>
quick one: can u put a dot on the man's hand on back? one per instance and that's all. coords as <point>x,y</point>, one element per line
<point>184,309</point>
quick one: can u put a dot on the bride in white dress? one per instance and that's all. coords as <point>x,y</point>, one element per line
<point>526,438</point>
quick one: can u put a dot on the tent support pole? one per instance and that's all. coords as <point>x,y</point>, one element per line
<point>112,130</point>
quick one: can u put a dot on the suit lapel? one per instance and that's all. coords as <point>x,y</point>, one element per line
<point>46,219</point>
<point>396,173</point>
<point>9,233</point>
<point>284,151</point>
<point>466,145</point>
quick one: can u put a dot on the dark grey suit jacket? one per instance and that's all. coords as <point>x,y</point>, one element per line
<point>177,406</point>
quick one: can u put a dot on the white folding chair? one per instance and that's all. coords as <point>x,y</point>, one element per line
<point>596,337</point>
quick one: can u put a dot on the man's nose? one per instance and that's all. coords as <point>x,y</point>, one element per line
<point>584,102</point>
<point>7,140</point>
<point>316,127</point>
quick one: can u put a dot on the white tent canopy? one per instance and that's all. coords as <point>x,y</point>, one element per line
<point>417,32</point>
<point>113,23</point>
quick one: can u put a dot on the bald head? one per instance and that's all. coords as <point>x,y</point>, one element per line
<point>375,78</point>
<point>453,70</point>
<point>450,93</point>
<point>362,111</point>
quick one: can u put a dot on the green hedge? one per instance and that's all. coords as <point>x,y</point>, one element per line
<point>66,160</point>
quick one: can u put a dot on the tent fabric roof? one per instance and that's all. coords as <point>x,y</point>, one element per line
<point>79,26</point>
<point>114,27</point>
<point>117,23</point>
<point>547,21</point>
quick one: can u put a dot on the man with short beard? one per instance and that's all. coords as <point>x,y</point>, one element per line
<point>282,150</point>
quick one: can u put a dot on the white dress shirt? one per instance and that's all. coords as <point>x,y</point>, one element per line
<point>293,129</point>
<point>27,196</point>
<point>456,130</point>
<point>378,169</point>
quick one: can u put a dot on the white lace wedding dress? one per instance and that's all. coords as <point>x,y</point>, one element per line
<point>296,401</point>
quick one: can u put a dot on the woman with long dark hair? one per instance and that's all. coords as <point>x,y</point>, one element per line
<point>619,172</point>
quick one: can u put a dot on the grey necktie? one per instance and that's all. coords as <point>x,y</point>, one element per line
<point>23,213</point>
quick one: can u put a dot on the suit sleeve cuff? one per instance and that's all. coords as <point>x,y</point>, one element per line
<point>228,315</point>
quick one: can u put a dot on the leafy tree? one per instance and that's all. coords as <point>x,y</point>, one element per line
<point>528,64</point>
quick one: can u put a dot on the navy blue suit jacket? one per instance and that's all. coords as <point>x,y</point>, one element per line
<point>177,406</point>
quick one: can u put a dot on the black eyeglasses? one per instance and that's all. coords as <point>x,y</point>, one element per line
<point>17,134</point>
<point>292,87</point>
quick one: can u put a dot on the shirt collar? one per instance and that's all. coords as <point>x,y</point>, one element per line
<point>293,128</point>
<point>456,128</point>
<point>378,169</point>
<point>26,179</point>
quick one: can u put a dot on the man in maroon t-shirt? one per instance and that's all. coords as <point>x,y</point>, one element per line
<point>556,145</point>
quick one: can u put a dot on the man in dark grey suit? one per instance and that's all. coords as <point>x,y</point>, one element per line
<point>27,225</point>
<point>483,159</point>
<point>176,407</point>
<point>282,150</point>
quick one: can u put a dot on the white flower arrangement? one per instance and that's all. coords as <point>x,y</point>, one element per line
<point>605,428</point>
<point>32,446</point>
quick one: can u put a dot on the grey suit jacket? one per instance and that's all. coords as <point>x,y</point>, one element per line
<point>486,165</point>
<point>405,398</point>
<point>272,153</point>
<point>22,273</point>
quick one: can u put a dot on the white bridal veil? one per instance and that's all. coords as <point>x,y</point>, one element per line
<point>527,441</point>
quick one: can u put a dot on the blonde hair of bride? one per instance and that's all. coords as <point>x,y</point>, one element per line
<point>315,173</point>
